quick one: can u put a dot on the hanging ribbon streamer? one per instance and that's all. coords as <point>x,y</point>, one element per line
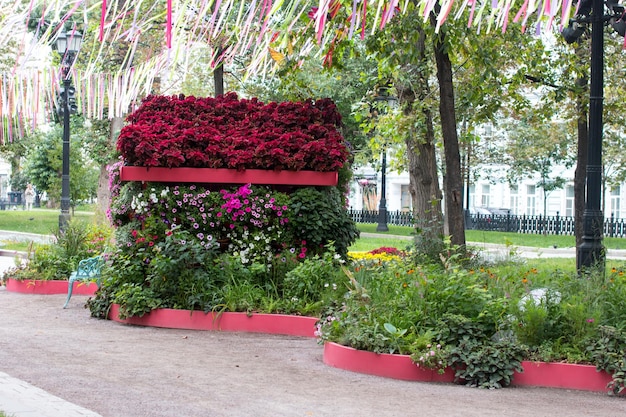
<point>102,18</point>
<point>168,28</point>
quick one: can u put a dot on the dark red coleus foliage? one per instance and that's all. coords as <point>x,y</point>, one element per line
<point>228,132</point>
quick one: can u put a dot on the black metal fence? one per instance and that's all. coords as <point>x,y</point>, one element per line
<point>398,218</point>
<point>551,225</point>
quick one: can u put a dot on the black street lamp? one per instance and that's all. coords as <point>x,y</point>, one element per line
<point>591,251</point>
<point>383,96</point>
<point>382,208</point>
<point>68,45</point>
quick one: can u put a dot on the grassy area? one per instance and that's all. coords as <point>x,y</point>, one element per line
<point>365,244</point>
<point>40,221</point>
<point>510,238</point>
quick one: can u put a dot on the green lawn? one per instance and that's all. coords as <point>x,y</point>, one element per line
<point>40,221</point>
<point>514,239</point>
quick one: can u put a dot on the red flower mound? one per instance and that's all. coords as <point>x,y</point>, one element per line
<point>387,249</point>
<point>228,132</point>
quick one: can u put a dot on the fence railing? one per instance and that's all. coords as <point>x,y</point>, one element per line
<point>551,225</point>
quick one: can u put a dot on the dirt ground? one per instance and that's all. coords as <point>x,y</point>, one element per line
<point>127,371</point>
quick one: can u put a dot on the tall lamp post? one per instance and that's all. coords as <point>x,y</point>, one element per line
<point>383,96</point>
<point>591,251</point>
<point>68,45</point>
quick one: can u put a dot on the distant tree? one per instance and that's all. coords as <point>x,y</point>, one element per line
<point>535,149</point>
<point>44,163</point>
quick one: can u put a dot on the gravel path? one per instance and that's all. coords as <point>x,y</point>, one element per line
<point>126,371</point>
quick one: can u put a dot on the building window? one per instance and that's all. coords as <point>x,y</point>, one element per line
<point>615,200</point>
<point>514,203</point>
<point>569,201</point>
<point>405,197</point>
<point>484,198</point>
<point>531,200</point>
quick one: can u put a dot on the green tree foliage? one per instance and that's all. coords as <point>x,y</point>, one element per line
<point>536,149</point>
<point>44,163</point>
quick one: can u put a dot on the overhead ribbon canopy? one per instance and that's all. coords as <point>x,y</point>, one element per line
<point>261,31</point>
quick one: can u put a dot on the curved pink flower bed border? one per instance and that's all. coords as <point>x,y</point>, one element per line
<point>229,322</point>
<point>538,374</point>
<point>48,287</point>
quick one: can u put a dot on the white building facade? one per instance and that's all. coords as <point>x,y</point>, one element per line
<point>523,198</point>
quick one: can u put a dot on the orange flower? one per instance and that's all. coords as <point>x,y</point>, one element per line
<point>525,280</point>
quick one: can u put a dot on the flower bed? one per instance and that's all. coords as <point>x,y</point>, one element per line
<point>539,374</point>
<point>48,287</point>
<point>228,132</point>
<point>230,322</point>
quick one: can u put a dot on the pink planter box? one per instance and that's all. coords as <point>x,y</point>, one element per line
<point>380,364</point>
<point>30,286</point>
<point>227,176</point>
<point>562,375</point>
<point>230,322</point>
<point>539,374</point>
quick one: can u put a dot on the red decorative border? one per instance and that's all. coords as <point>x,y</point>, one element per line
<point>229,322</point>
<point>538,374</point>
<point>227,176</point>
<point>381,364</point>
<point>48,287</point>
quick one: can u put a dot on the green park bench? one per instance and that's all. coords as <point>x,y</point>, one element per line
<point>88,270</point>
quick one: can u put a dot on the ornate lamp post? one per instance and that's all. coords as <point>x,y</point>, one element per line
<point>68,45</point>
<point>383,96</point>
<point>591,251</point>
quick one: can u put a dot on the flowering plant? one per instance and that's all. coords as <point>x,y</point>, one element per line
<point>227,132</point>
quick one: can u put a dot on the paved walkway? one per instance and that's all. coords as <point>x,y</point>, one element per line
<point>21,399</point>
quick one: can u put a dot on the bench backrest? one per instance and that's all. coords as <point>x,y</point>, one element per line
<point>90,268</point>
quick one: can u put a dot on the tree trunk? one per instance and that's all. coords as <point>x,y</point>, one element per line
<point>218,75</point>
<point>103,193</point>
<point>581,164</point>
<point>452,182</point>
<point>422,161</point>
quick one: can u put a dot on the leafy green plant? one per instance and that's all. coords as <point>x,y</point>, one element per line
<point>479,356</point>
<point>395,337</point>
<point>57,260</point>
<point>486,365</point>
<point>429,354</point>
<point>135,300</point>
<point>320,215</point>
<point>608,353</point>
